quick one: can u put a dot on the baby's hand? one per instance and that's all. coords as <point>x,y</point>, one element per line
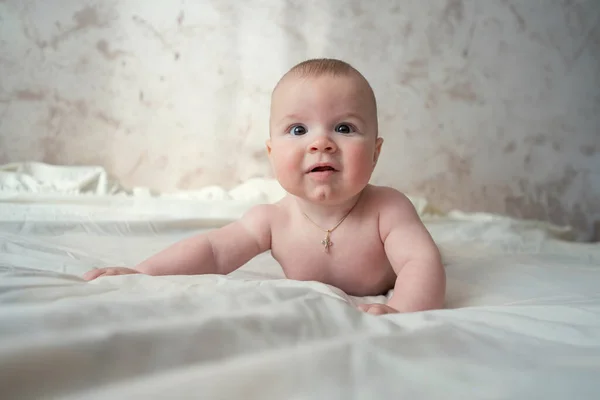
<point>96,273</point>
<point>377,309</point>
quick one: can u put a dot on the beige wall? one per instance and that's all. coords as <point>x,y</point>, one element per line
<point>484,105</point>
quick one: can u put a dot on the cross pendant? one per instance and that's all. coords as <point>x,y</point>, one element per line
<point>326,242</point>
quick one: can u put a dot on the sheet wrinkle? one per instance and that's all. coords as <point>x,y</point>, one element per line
<point>177,378</point>
<point>224,366</point>
<point>314,345</point>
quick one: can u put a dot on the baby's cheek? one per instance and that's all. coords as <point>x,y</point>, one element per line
<point>287,164</point>
<point>287,161</point>
<point>361,158</point>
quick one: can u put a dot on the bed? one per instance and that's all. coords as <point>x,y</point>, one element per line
<point>522,316</point>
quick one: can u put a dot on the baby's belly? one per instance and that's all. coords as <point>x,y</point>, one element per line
<point>369,275</point>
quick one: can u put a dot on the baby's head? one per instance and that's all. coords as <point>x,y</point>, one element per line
<point>323,127</point>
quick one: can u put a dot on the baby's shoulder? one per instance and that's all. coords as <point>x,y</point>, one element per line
<point>268,213</point>
<point>260,213</point>
<point>386,198</point>
<point>394,210</point>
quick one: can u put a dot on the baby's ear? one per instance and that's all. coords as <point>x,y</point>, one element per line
<point>378,144</point>
<point>268,144</point>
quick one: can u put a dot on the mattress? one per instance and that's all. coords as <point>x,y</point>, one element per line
<point>522,315</point>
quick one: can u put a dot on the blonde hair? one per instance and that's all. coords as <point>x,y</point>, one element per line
<point>317,67</point>
<point>323,66</point>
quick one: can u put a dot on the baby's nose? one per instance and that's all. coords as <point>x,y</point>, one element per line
<point>323,143</point>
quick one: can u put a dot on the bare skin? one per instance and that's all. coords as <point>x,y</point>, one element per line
<point>329,123</point>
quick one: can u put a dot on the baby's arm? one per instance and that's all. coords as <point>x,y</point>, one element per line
<point>219,251</point>
<point>421,279</point>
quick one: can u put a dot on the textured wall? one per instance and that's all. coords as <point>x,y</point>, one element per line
<point>484,105</point>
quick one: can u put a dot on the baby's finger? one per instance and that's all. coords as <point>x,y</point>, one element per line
<point>377,310</point>
<point>93,274</point>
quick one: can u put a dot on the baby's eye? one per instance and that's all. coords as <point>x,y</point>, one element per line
<point>297,130</point>
<point>344,128</point>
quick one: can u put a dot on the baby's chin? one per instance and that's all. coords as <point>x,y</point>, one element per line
<point>321,195</point>
<point>325,195</point>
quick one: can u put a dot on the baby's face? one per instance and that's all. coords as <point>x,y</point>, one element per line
<point>323,144</point>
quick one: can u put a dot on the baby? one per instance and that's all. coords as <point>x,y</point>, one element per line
<point>332,226</point>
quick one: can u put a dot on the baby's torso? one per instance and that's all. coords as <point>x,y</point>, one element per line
<point>355,261</point>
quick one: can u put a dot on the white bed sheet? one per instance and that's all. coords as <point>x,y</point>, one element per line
<point>522,317</point>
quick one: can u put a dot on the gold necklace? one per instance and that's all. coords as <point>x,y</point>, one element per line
<point>327,243</point>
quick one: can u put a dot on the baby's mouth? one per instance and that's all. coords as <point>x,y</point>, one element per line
<point>323,168</point>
